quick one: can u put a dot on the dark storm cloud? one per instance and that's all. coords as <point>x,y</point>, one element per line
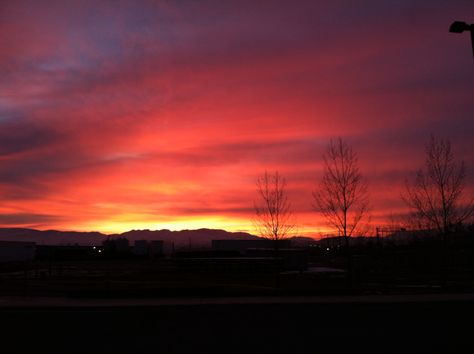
<point>28,219</point>
<point>17,136</point>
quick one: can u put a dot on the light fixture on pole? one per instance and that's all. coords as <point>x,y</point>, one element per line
<point>460,27</point>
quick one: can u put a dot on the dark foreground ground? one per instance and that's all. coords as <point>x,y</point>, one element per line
<point>440,324</point>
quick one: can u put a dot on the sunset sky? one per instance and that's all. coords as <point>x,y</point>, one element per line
<point>118,115</point>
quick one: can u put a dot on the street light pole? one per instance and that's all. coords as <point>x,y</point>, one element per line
<point>460,27</point>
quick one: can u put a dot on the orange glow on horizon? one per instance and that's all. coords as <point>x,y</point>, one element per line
<point>122,122</point>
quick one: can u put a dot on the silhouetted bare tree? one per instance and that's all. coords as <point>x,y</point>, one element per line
<point>342,195</point>
<point>435,196</point>
<point>274,217</point>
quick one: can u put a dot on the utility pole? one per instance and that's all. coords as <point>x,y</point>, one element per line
<point>460,27</point>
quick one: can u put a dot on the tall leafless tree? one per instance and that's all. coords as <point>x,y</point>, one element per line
<point>342,196</point>
<point>274,217</point>
<point>436,196</point>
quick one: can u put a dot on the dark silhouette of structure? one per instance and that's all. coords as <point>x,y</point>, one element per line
<point>150,249</point>
<point>460,27</point>
<point>119,246</point>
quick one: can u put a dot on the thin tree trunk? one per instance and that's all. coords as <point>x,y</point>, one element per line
<point>349,268</point>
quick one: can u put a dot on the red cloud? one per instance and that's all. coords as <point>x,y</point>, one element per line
<point>150,115</point>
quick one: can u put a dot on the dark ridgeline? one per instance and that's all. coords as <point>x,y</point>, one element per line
<point>433,251</point>
<point>157,68</point>
<point>52,237</point>
<point>183,238</point>
<point>397,262</point>
<point>402,279</point>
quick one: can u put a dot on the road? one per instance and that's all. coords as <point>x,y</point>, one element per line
<point>376,324</point>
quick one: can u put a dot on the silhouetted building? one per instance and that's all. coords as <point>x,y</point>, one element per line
<point>17,251</point>
<point>140,248</point>
<point>152,248</point>
<point>156,248</point>
<point>116,246</point>
<point>338,242</point>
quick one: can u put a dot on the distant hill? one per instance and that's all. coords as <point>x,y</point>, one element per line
<point>184,238</point>
<point>201,238</point>
<point>52,237</point>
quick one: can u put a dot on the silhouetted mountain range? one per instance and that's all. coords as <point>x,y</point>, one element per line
<point>51,237</point>
<point>184,238</point>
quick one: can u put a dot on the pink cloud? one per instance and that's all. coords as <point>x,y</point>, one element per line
<point>170,111</point>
